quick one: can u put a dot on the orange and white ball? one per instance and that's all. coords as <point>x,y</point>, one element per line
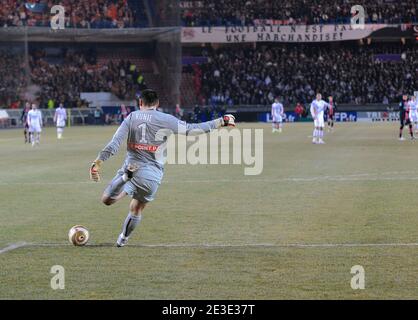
<point>78,235</point>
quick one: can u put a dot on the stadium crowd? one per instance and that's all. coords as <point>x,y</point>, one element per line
<point>351,73</point>
<point>78,13</point>
<point>250,12</point>
<point>54,83</point>
<point>12,78</point>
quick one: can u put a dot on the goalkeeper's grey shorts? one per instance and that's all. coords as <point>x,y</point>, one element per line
<point>143,190</point>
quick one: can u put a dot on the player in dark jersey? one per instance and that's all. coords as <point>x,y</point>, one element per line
<point>404,117</point>
<point>330,112</point>
<point>24,118</point>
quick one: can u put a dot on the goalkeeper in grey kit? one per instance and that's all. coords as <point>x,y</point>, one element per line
<point>146,132</point>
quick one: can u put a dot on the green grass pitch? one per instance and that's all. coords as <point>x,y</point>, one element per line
<point>360,189</point>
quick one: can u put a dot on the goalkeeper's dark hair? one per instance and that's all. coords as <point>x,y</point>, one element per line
<point>149,97</point>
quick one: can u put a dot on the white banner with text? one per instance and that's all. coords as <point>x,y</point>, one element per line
<point>277,33</point>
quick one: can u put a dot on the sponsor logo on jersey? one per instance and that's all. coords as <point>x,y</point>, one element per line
<point>141,146</point>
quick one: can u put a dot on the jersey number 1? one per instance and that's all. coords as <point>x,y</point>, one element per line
<point>143,128</point>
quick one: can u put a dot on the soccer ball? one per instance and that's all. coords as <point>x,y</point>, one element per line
<point>78,235</point>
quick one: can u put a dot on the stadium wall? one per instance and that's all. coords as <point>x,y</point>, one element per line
<point>111,114</point>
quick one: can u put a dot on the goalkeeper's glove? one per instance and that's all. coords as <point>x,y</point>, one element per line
<point>95,170</point>
<point>228,120</point>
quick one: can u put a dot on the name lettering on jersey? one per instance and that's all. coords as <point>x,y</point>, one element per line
<point>144,117</point>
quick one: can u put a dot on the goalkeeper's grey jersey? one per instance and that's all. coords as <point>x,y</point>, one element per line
<point>146,133</point>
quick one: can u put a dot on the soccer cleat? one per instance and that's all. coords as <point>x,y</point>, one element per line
<point>321,141</point>
<point>122,241</point>
<point>401,139</point>
<point>130,170</point>
<point>280,130</point>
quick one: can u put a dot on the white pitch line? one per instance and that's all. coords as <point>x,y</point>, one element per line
<point>10,139</point>
<point>47,183</point>
<point>245,245</point>
<point>284,245</point>
<point>311,179</point>
<point>349,178</point>
<point>13,246</point>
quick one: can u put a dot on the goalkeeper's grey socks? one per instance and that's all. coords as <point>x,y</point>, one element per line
<point>130,224</point>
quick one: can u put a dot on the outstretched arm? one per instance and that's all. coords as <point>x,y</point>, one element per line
<point>182,127</point>
<point>110,149</point>
<point>113,146</point>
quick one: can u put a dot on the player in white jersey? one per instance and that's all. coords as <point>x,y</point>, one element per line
<point>413,112</point>
<point>35,124</point>
<point>317,109</point>
<point>277,112</point>
<point>59,118</point>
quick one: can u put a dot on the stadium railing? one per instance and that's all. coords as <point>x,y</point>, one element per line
<point>85,35</point>
<point>76,116</point>
<point>85,116</point>
<point>341,107</point>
